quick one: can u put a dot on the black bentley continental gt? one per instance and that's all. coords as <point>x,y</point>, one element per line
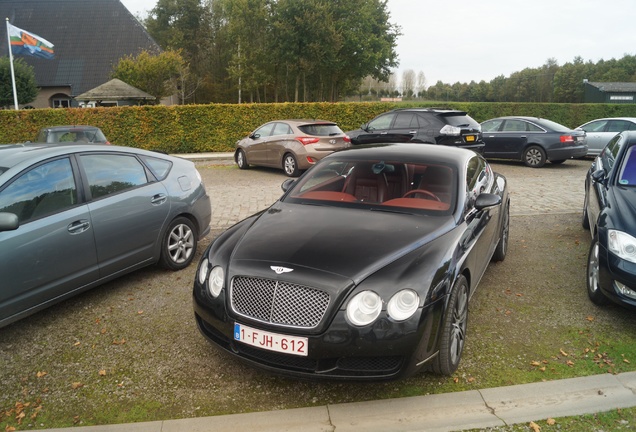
<point>609,212</point>
<point>362,270</point>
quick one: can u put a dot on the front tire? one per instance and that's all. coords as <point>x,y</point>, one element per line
<point>593,284</point>
<point>454,326</point>
<point>290,165</point>
<point>179,244</point>
<point>241,160</point>
<point>534,157</point>
<point>502,246</point>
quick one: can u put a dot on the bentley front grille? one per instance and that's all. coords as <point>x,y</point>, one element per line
<point>278,302</point>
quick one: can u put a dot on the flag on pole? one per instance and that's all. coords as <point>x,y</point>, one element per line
<point>26,43</point>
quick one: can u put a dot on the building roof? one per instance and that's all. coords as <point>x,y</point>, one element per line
<point>113,90</point>
<point>617,87</point>
<point>89,38</point>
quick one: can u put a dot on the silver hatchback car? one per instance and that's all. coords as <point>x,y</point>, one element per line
<point>75,216</point>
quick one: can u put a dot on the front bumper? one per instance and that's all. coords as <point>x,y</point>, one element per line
<point>384,350</point>
<point>617,278</point>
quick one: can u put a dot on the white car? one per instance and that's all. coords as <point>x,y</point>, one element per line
<point>600,131</point>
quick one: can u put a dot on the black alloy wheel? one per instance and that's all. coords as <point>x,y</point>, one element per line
<point>453,337</point>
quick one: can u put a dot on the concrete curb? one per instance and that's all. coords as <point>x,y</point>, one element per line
<point>472,409</point>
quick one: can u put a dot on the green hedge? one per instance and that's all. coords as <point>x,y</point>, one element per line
<point>215,128</point>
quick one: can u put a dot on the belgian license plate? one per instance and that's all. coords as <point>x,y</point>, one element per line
<point>270,341</point>
<point>470,137</point>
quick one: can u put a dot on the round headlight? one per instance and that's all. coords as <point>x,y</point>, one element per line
<point>215,283</point>
<point>403,305</point>
<point>364,308</point>
<point>204,266</point>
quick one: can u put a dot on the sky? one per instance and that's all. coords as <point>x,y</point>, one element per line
<point>468,40</point>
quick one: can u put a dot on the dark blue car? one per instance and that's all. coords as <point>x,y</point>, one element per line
<point>609,212</point>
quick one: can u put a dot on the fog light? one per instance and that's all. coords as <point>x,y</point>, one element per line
<point>624,290</point>
<point>364,308</point>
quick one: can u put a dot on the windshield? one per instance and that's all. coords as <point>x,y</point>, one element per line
<point>379,185</point>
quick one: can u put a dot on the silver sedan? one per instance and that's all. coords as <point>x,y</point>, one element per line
<point>601,131</point>
<point>75,216</point>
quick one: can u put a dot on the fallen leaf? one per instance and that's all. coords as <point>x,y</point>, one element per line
<point>140,312</point>
<point>563,353</point>
<point>590,318</point>
<point>569,363</point>
<point>78,343</point>
<point>41,374</point>
<point>76,385</point>
<point>625,360</point>
<point>551,422</point>
<point>9,429</point>
<point>535,363</point>
<point>535,427</point>
<point>102,372</point>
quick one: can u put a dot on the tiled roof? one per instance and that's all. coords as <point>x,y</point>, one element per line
<point>618,87</point>
<point>89,38</point>
<point>114,90</point>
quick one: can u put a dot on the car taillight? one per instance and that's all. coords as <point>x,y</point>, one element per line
<point>346,139</point>
<point>567,138</point>
<point>311,160</point>
<point>107,142</point>
<point>307,140</point>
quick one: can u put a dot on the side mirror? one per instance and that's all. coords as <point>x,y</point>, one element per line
<point>254,136</point>
<point>598,176</point>
<point>287,184</point>
<point>8,222</point>
<point>485,200</point>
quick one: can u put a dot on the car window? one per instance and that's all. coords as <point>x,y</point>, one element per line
<point>531,127</point>
<point>264,131</point>
<point>491,125</point>
<point>618,126</point>
<point>608,156</point>
<point>159,167</point>
<point>627,175</point>
<point>406,120</point>
<point>282,129</point>
<point>459,120</point>
<point>46,189</point>
<point>382,122</point>
<point>321,129</point>
<point>514,126</point>
<point>112,173</point>
<point>392,186</point>
<point>595,126</point>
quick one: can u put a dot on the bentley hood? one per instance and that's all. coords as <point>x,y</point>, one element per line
<point>342,242</point>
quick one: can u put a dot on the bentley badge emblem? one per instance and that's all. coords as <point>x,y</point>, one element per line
<point>281,270</point>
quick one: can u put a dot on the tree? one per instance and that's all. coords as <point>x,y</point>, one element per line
<point>152,73</point>
<point>26,87</point>
<point>408,83</point>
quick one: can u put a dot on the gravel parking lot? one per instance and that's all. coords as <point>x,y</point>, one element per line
<point>130,351</point>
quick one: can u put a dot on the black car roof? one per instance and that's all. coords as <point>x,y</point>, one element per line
<point>441,111</point>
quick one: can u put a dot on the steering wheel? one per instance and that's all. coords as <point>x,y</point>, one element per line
<point>423,192</point>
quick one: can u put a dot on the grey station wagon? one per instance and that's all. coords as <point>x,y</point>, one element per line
<point>75,216</point>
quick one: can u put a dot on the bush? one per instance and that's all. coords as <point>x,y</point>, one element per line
<point>217,127</point>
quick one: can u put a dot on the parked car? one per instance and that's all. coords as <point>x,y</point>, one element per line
<point>293,145</point>
<point>609,212</point>
<point>421,125</point>
<point>60,134</point>
<point>599,132</point>
<point>362,270</point>
<point>532,140</point>
<point>75,216</point>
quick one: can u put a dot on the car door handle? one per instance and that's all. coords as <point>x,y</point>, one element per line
<point>78,227</point>
<point>383,133</point>
<point>413,132</point>
<point>158,199</point>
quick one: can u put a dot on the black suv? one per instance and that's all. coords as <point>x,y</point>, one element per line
<point>421,125</point>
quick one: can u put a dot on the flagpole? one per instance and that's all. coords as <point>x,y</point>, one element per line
<point>15,92</point>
